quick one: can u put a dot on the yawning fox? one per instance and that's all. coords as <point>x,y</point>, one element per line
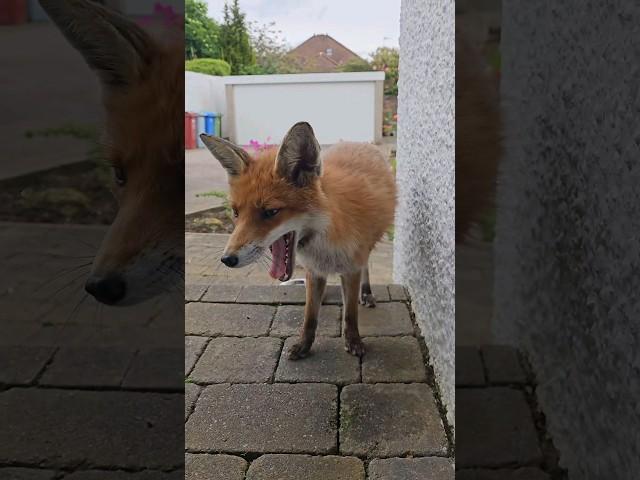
<point>328,209</point>
<point>142,255</point>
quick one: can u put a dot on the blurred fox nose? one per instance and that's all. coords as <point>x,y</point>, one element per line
<point>109,289</point>
<point>230,260</point>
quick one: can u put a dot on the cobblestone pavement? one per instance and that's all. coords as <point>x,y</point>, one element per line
<point>86,392</point>
<point>500,431</point>
<point>203,266</point>
<point>253,414</point>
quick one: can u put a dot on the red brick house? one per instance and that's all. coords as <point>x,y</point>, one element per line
<point>322,53</point>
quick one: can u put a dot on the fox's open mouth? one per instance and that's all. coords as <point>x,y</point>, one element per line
<point>284,253</point>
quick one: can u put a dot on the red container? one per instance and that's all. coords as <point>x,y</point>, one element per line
<point>13,12</point>
<point>190,129</point>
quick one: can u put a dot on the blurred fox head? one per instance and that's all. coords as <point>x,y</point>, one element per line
<point>275,196</point>
<point>142,254</point>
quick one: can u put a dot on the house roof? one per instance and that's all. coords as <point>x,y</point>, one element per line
<point>323,53</point>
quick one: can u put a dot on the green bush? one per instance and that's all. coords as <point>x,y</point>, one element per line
<point>208,66</point>
<point>356,65</point>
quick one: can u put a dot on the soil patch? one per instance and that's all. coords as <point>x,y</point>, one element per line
<point>75,193</point>
<point>213,220</point>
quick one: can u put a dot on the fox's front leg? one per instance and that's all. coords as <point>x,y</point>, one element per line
<point>315,291</point>
<point>350,294</point>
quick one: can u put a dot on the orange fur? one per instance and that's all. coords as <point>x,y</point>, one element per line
<point>142,254</point>
<point>145,138</point>
<point>356,192</point>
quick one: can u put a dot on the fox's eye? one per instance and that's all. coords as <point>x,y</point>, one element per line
<point>235,212</point>
<point>120,176</point>
<point>269,213</point>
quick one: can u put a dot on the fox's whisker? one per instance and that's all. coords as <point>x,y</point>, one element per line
<point>61,274</point>
<point>75,309</point>
<point>68,284</point>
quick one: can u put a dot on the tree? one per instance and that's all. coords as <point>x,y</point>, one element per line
<point>386,59</point>
<point>270,50</point>
<point>201,33</point>
<point>356,65</point>
<point>234,39</point>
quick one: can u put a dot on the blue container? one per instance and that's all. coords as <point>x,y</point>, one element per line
<point>200,128</point>
<point>209,123</point>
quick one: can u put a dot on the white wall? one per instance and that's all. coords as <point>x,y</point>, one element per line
<point>424,246</point>
<point>567,255</point>
<point>205,93</point>
<point>339,106</point>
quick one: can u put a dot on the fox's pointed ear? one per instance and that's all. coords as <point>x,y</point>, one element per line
<point>298,158</point>
<point>233,158</point>
<point>116,48</point>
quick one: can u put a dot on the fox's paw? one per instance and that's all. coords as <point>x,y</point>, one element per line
<point>354,346</point>
<point>299,350</point>
<point>368,300</point>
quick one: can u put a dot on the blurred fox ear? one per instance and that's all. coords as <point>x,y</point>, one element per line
<point>298,158</point>
<point>233,158</point>
<point>116,48</point>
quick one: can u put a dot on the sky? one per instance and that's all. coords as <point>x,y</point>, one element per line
<point>361,25</point>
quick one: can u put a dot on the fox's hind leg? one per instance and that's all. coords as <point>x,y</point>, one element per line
<point>366,297</point>
<point>315,291</point>
<point>350,289</point>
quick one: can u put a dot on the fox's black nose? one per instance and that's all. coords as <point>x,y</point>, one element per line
<point>230,260</point>
<point>107,289</point>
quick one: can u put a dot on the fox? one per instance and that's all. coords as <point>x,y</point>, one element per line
<point>326,209</point>
<point>142,83</point>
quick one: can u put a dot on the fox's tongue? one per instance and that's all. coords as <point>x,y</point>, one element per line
<point>279,265</point>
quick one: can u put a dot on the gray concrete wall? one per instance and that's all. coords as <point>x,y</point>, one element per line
<point>206,93</point>
<point>567,253</point>
<point>424,250</point>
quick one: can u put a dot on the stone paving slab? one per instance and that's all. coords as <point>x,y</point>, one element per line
<point>398,293</point>
<point>128,430</point>
<point>227,319</point>
<point>86,366</point>
<point>424,468</point>
<point>469,369</point>
<point>193,348</point>
<point>494,428</point>
<point>381,292</point>
<point>525,473</point>
<point>287,294</point>
<point>26,474</point>
<point>503,365</point>
<point>238,360</point>
<point>393,359</point>
<point>328,362</point>
<point>289,319</point>
<point>21,364</point>
<point>123,475</point>
<point>385,319</point>
<point>222,293</point>
<point>332,295</point>
<point>193,293</point>
<point>214,467</point>
<point>191,392</point>
<point>157,369</point>
<point>278,418</point>
<point>386,420</point>
<point>306,467</point>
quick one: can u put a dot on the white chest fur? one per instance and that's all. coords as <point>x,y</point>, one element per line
<point>320,256</point>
